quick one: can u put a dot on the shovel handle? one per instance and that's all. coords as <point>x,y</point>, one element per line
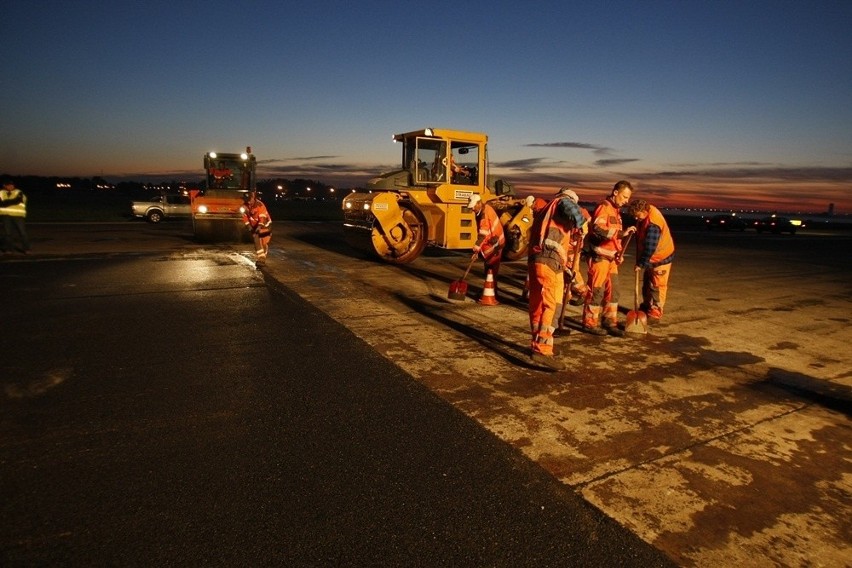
<point>636,291</point>
<point>470,264</point>
<point>624,246</point>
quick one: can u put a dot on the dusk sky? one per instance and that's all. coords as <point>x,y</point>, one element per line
<point>729,104</point>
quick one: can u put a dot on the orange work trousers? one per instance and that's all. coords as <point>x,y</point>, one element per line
<point>655,286</point>
<point>603,293</point>
<point>261,244</point>
<point>546,288</point>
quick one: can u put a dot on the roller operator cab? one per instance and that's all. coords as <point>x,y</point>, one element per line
<point>424,202</point>
<point>217,209</point>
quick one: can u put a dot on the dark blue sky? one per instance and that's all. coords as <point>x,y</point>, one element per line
<point>727,103</point>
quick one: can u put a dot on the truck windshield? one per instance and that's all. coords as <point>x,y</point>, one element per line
<point>426,158</point>
<point>228,174</point>
<point>429,163</point>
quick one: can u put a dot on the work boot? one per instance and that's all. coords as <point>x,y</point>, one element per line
<point>594,330</point>
<point>655,314</point>
<point>547,361</point>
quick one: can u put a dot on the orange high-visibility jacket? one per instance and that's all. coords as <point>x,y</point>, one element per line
<point>665,245</point>
<point>491,236</point>
<point>605,233</point>
<point>258,219</point>
<point>551,239</point>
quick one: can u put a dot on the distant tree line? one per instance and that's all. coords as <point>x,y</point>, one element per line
<point>137,190</point>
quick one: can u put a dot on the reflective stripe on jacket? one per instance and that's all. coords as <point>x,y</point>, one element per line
<point>550,238</point>
<point>18,208</point>
<point>489,229</point>
<point>258,218</point>
<point>605,233</point>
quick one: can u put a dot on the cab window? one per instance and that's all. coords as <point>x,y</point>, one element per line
<point>465,162</point>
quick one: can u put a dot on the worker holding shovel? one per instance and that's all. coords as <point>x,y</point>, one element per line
<point>489,244</point>
<point>605,236</point>
<point>655,251</point>
<point>549,257</point>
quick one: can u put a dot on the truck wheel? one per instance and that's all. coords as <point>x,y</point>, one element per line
<point>414,229</point>
<point>155,216</point>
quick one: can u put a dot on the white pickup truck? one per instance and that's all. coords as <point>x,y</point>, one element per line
<point>162,207</point>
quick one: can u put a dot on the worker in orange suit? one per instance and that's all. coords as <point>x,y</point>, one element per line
<point>490,238</point>
<point>536,205</point>
<point>578,285</point>
<point>259,223</point>
<point>600,311</point>
<point>655,251</point>
<point>549,259</point>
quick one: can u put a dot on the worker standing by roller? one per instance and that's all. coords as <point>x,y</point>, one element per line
<point>606,234</point>
<point>549,259</point>
<point>490,240</point>
<point>259,223</point>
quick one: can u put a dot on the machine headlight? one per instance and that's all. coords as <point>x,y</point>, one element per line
<point>202,209</point>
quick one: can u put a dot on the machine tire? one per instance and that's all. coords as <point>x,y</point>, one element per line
<point>517,246</point>
<point>154,216</point>
<point>521,252</point>
<point>416,223</point>
<point>217,231</point>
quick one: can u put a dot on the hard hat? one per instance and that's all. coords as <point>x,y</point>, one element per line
<point>530,200</point>
<point>569,193</point>
<point>474,199</point>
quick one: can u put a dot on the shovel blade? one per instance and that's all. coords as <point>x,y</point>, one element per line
<point>458,290</point>
<point>636,323</point>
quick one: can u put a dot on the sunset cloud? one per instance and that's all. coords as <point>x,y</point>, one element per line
<point>599,150</point>
<point>528,164</point>
<point>614,162</point>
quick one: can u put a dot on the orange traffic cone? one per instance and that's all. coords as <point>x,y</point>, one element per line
<point>488,298</point>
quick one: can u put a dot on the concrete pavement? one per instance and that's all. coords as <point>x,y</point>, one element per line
<point>723,437</point>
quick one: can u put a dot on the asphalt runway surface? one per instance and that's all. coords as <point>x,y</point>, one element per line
<point>722,437</point>
<point>172,409</point>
